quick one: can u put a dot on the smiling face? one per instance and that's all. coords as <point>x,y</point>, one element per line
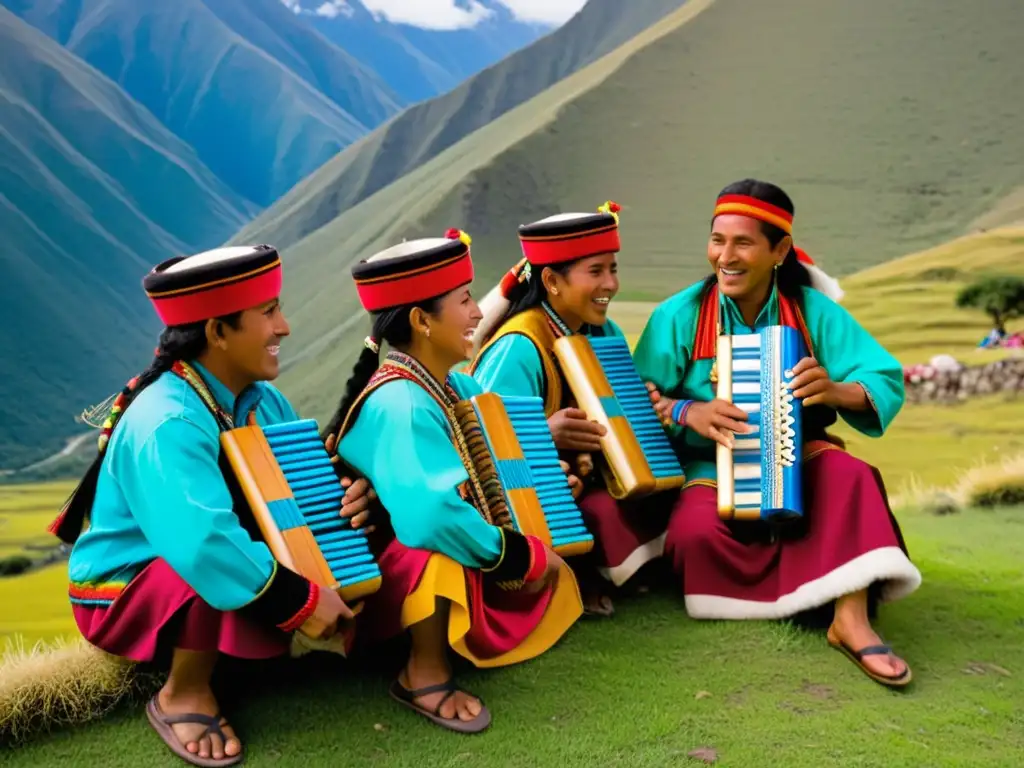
<point>251,350</point>
<point>586,289</point>
<point>742,256</point>
<point>451,325</point>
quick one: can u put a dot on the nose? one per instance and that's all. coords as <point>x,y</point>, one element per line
<point>611,283</point>
<point>475,313</point>
<point>282,328</point>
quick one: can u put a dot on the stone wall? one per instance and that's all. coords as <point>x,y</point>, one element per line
<point>926,384</point>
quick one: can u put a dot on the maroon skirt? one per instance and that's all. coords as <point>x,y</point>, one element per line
<point>851,542</point>
<point>487,625</point>
<point>158,612</point>
<point>626,535</point>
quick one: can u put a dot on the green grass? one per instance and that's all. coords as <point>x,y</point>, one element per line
<point>35,605</point>
<point>624,692</point>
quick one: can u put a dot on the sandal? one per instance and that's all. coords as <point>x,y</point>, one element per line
<point>404,696</point>
<point>162,725</point>
<point>604,608</point>
<point>857,657</point>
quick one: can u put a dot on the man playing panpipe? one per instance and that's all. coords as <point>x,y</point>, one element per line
<point>847,548</point>
<point>563,286</point>
<point>166,570</point>
<point>452,578</point>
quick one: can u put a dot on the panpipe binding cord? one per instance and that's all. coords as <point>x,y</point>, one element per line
<point>482,465</point>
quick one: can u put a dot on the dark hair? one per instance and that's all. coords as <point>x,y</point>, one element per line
<point>528,294</point>
<point>791,275</point>
<point>177,342</point>
<point>391,326</point>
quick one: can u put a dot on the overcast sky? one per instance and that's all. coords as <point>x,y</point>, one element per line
<point>444,14</point>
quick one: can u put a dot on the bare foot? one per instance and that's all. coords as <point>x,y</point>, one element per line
<point>858,635</point>
<point>460,704</point>
<point>202,702</point>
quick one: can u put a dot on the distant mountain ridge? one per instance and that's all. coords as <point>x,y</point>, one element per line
<point>700,98</point>
<point>425,130</point>
<point>93,191</point>
<point>131,131</point>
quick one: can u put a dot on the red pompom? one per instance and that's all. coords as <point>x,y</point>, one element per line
<point>802,257</point>
<point>453,234</point>
<point>614,207</point>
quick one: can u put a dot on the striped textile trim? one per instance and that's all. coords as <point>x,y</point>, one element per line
<point>95,593</point>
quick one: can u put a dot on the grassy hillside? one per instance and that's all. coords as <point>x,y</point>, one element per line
<point>425,130</point>
<point>255,121</point>
<point>647,126</point>
<point>649,686</point>
<point>94,191</point>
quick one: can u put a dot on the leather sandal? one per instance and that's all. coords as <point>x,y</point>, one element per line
<point>408,698</point>
<point>857,657</point>
<point>162,725</point>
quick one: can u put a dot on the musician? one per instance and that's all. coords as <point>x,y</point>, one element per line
<point>450,577</point>
<point>166,568</point>
<point>562,286</point>
<point>852,546</point>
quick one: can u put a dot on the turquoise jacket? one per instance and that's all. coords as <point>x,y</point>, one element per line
<point>401,441</point>
<point>161,494</point>
<point>663,356</point>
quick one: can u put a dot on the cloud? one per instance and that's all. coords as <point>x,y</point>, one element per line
<point>331,8</point>
<point>443,14</point>
<point>553,12</point>
<point>429,14</point>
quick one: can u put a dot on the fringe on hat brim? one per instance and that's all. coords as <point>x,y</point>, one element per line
<point>822,282</point>
<point>493,306</point>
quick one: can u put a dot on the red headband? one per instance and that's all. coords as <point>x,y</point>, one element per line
<point>219,297</point>
<point>744,205</point>
<point>417,277</point>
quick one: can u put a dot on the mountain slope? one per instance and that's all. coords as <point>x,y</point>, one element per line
<point>425,130</point>
<point>93,191</point>
<point>662,123</point>
<point>418,63</point>
<point>253,120</point>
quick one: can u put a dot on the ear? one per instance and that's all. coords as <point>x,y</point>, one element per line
<point>215,334</point>
<point>781,250</point>
<point>549,278</point>
<point>418,321</point>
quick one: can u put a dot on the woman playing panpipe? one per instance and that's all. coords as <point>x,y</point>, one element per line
<point>450,577</point>
<point>166,571</point>
<point>847,548</point>
<point>563,286</point>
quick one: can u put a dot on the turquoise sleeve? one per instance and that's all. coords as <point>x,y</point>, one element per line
<point>177,494</point>
<point>511,366</point>
<point>849,354</point>
<point>400,441</point>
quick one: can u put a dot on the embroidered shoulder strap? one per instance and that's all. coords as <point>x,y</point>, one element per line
<point>534,324</point>
<point>705,343</point>
<point>192,377</point>
<point>381,376</point>
<point>399,366</point>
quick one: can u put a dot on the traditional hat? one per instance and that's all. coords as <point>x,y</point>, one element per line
<point>570,236</point>
<point>556,239</point>
<point>746,205</point>
<point>190,289</point>
<point>413,271</point>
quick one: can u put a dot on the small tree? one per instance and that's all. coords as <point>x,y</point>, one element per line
<point>1002,297</point>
